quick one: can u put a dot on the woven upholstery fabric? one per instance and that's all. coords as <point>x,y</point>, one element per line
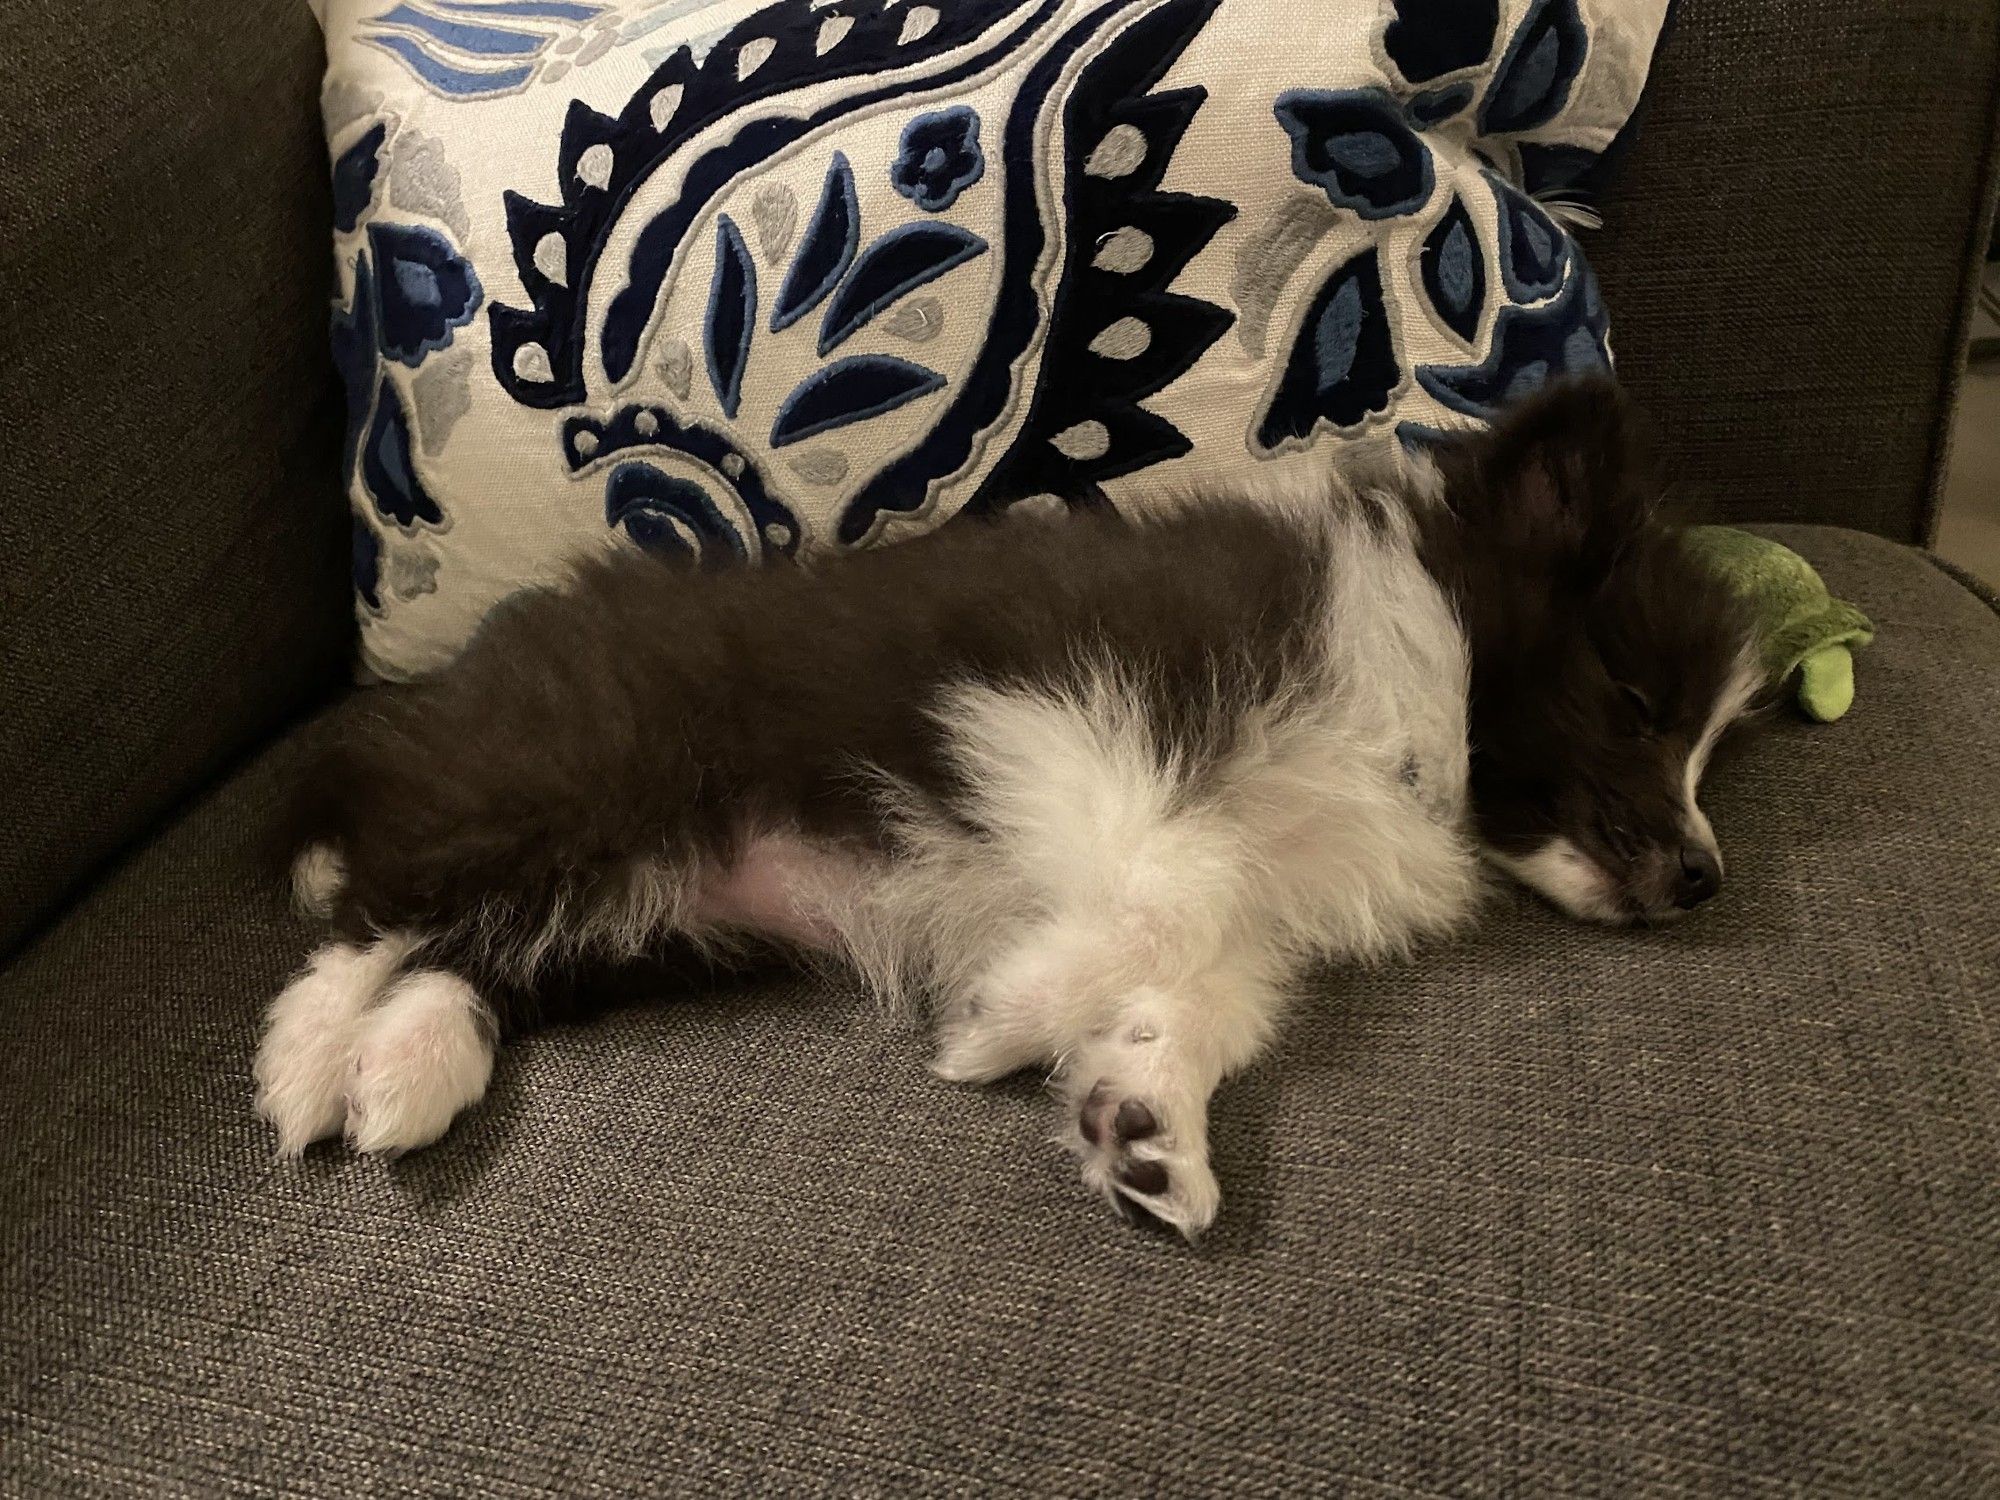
<point>172,541</point>
<point>1788,248</point>
<point>1555,1210</point>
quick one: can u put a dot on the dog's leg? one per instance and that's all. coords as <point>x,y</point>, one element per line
<point>1030,1003</point>
<point>310,1035</point>
<point>1151,968</point>
<point>421,1056</point>
<point>1137,1092</point>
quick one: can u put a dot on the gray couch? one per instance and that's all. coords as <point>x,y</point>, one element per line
<point>1554,1210</point>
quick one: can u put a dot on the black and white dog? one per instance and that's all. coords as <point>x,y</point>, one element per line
<point>1096,789</point>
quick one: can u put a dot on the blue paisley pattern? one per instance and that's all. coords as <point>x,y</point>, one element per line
<point>1357,147</point>
<point>799,274</point>
<point>1367,151</point>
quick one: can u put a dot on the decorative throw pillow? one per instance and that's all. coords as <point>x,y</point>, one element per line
<point>738,278</point>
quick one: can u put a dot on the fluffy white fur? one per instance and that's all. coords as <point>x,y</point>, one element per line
<point>316,879</point>
<point>1745,683</point>
<point>310,1033</point>
<point>1136,929</point>
<point>422,1055</point>
<point>1565,876</point>
<point>351,1048</point>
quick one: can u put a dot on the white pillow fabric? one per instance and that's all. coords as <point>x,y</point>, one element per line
<point>738,278</point>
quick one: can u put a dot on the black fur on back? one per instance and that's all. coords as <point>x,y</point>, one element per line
<point>649,712</point>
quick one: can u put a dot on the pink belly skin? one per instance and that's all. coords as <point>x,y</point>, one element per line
<point>780,887</point>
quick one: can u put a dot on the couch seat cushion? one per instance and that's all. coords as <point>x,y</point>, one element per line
<point>1554,1209</point>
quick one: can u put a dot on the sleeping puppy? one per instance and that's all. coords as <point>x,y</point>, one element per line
<point>1097,790</point>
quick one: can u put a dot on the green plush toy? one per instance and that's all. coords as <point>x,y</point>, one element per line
<point>1806,630</point>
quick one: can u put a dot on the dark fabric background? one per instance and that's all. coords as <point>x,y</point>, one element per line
<point>1553,1211</point>
<point>173,542</point>
<point>1788,248</point>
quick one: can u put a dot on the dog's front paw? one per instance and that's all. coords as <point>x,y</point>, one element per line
<point>975,1050</point>
<point>1143,1151</point>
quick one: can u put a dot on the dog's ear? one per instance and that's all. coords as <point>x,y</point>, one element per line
<point>1566,477</point>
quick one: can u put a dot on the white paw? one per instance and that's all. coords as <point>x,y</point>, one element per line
<point>423,1054</point>
<point>975,1050</point>
<point>309,1037</point>
<point>1142,1151</point>
<point>1139,1121</point>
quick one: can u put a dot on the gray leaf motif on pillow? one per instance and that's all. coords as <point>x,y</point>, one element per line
<point>775,210</point>
<point>422,180</point>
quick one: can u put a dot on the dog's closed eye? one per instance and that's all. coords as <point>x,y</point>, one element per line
<point>1640,704</point>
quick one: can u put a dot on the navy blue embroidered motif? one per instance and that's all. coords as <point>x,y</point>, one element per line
<point>1435,106</point>
<point>424,290</point>
<point>902,260</point>
<point>354,178</point>
<point>586,440</point>
<point>981,393</point>
<point>732,314</point>
<point>1343,366</point>
<point>1534,253</point>
<point>1117,337</point>
<point>666,513</point>
<point>367,564</point>
<point>1532,83</point>
<point>538,351</point>
<point>848,391</point>
<point>825,252</point>
<point>1356,146</point>
<point>938,158</point>
<point>1453,271</point>
<point>1563,336</point>
<point>1427,39</point>
<point>387,470</point>
<point>352,336</point>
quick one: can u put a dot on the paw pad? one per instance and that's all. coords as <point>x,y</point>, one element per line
<point>1145,1159</point>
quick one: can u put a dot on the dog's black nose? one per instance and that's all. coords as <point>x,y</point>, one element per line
<point>1701,877</point>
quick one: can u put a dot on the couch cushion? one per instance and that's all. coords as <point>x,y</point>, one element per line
<point>1793,253</point>
<point>1555,1209</point>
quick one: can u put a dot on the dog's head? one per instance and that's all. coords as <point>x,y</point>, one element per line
<point>1606,661</point>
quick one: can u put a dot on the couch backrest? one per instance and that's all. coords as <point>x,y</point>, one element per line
<point>172,543</point>
<point>1789,248</point>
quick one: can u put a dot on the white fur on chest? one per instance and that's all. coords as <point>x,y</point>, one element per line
<point>1355,784</point>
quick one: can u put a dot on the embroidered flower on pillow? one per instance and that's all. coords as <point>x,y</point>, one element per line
<point>940,158</point>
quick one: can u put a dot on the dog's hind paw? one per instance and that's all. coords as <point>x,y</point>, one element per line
<point>1141,1153</point>
<point>309,1037</point>
<point>424,1054</point>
